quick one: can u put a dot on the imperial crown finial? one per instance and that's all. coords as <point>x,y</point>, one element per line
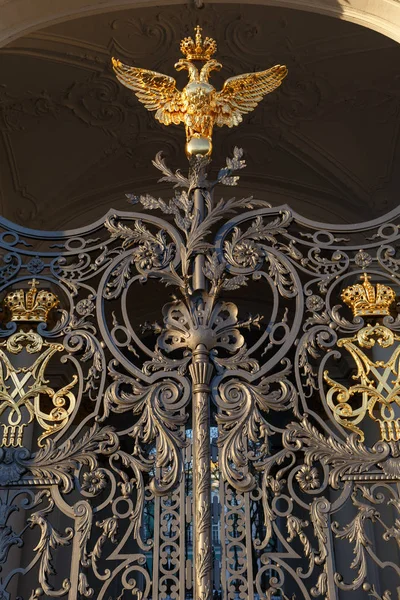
<point>30,305</point>
<point>198,49</point>
<point>368,300</point>
<point>199,105</point>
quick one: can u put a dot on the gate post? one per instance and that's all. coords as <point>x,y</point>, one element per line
<point>201,372</point>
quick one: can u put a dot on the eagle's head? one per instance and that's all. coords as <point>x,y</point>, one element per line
<point>189,66</point>
<point>211,65</point>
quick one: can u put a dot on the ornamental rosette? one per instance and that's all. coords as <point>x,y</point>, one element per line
<point>85,307</point>
<point>247,254</point>
<point>94,482</point>
<point>307,478</point>
<point>315,303</point>
<point>148,255</point>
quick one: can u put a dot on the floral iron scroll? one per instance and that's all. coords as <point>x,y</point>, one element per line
<point>199,448</point>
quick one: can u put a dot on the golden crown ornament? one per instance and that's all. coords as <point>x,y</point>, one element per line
<point>199,106</point>
<point>198,49</point>
<point>31,305</point>
<point>376,391</point>
<point>368,300</point>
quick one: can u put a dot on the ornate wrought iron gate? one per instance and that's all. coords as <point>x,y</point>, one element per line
<point>157,447</point>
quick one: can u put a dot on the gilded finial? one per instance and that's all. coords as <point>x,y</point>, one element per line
<point>33,283</point>
<point>368,300</point>
<point>30,305</point>
<point>199,105</point>
<point>198,34</point>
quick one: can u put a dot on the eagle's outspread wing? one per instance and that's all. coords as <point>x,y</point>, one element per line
<point>241,94</point>
<point>155,90</point>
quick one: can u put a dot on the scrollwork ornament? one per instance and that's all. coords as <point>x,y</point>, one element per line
<point>194,445</point>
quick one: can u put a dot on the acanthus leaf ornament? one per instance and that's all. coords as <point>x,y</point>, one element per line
<point>213,324</point>
<point>199,106</point>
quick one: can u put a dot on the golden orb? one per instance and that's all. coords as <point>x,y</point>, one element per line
<point>198,145</point>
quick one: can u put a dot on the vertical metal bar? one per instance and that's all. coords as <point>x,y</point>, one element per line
<point>249,547</point>
<point>182,534</point>
<point>199,280</point>
<point>156,548</point>
<point>222,532</point>
<point>201,372</point>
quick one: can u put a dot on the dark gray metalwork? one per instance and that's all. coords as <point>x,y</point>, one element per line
<point>200,456</point>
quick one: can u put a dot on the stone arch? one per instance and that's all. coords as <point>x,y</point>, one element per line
<point>18,17</point>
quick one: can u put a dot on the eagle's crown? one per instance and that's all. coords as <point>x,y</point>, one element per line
<point>198,49</point>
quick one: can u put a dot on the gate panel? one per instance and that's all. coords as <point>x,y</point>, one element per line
<point>200,407</point>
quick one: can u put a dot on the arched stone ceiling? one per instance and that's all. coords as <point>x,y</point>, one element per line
<point>73,141</point>
<point>21,16</point>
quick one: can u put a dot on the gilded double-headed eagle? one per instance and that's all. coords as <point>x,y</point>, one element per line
<point>199,105</point>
